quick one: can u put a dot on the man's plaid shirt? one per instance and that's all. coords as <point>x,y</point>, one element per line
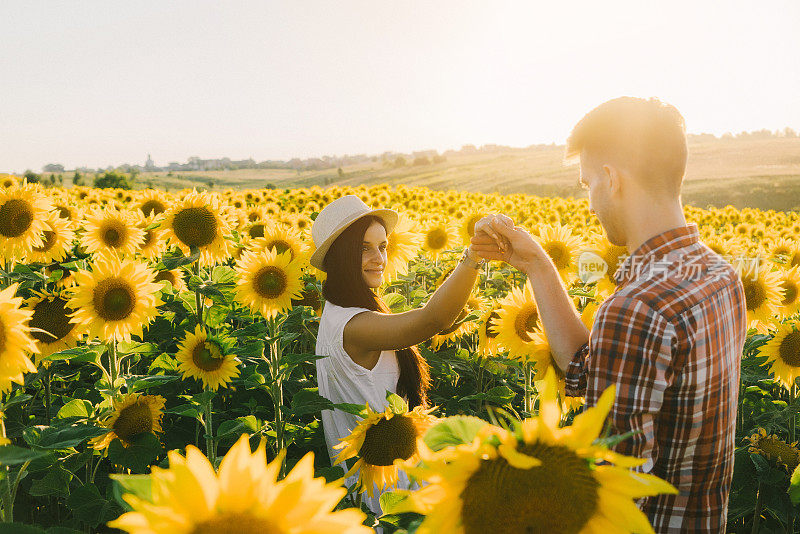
<point>671,339</point>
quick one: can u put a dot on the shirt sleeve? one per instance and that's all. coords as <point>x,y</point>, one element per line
<point>631,347</point>
<point>575,374</point>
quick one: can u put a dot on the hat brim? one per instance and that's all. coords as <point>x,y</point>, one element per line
<point>389,218</point>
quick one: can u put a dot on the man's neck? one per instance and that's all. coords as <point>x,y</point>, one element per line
<point>652,219</point>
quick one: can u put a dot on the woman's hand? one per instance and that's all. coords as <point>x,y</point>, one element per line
<point>497,238</point>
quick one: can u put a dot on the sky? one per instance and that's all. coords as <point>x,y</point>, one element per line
<point>98,83</point>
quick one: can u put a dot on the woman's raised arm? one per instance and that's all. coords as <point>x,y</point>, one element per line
<point>372,331</point>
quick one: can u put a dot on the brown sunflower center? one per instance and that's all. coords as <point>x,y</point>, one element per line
<point>153,207</point>
<point>790,292</point>
<point>776,449</point>
<point>559,496</point>
<point>491,322</point>
<point>51,316</point>
<point>169,276</point>
<point>208,356</point>
<point>270,282</point>
<point>114,234</point>
<point>195,227</point>
<point>789,349</point>
<point>559,253</point>
<point>48,240</point>
<point>795,259</point>
<point>133,420</point>
<point>280,246</point>
<point>526,321</point>
<point>16,216</point>
<point>755,294</point>
<point>256,231</point>
<point>236,523</point>
<point>148,238</point>
<point>436,239</point>
<point>64,212</point>
<point>388,440</point>
<point>114,299</point>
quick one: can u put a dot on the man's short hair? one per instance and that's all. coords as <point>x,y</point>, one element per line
<point>646,136</point>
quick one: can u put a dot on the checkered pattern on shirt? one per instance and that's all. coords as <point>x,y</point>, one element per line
<point>671,339</point>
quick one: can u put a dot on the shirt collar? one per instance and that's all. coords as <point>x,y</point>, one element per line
<point>656,246</point>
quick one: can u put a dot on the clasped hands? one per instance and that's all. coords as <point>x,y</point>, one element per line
<point>497,238</point>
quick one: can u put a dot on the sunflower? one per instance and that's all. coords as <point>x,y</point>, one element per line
<point>57,238</point>
<point>439,237</point>
<point>174,277</point>
<point>243,497</point>
<point>110,230</point>
<point>538,478</point>
<point>762,292</point>
<point>23,219</point>
<point>15,340</point>
<point>783,351</point>
<point>467,226</point>
<point>8,180</point>
<point>562,247</point>
<point>197,221</point>
<point>487,335</point>
<point>115,299</point>
<point>282,239</point>
<point>381,438</point>
<point>206,358</point>
<point>51,315</point>
<point>133,414</point>
<point>153,241</point>
<point>402,246</point>
<point>518,323</point>
<point>268,281</point>
<point>773,448</point>
<point>152,202</point>
<point>790,283</point>
<point>460,327</point>
<point>588,313</point>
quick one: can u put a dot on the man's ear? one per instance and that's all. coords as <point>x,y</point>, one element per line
<point>612,175</point>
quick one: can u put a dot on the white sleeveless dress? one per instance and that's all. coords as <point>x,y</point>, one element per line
<point>343,380</point>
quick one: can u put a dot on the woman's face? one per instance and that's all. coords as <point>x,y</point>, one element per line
<point>373,255</point>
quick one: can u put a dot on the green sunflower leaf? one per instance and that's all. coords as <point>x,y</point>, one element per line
<point>13,455</point>
<point>454,430</point>
<point>396,403</point>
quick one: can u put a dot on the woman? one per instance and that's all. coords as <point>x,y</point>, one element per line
<point>369,349</point>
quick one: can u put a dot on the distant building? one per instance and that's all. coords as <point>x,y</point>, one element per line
<point>149,165</point>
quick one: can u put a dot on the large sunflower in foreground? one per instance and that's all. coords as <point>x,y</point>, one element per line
<point>379,440</point>
<point>23,219</point>
<point>110,230</point>
<point>56,240</point>
<point>244,497</point>
<point>487,334</point>
<point>15,340</point>
<point>51,315</point>
<point>199,222</point>
<point>783,352</point>
<point>133,415</point>
<point>402,246</point>
<point>562,246</point>
<point>538,478</point>
<point>268,281</point>
<point>206,358</point>
<point>115,299</point>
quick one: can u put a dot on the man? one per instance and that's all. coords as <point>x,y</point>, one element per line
<point>671,337</point>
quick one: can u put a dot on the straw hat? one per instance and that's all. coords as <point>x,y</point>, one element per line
<point>336,217</point>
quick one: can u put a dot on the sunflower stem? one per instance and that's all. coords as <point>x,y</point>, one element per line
<point>757,512</point>
<point>528,407</point>
<point>47,395</point>
<point>277,385</point>
<point>5,492</point>
<point>211,453</point>
<point>197,297</point>
<point>113,365</point>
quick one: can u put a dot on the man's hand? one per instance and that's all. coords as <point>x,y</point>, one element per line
<point>496,238</point>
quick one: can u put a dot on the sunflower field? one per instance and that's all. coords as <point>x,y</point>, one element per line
<point>157,370</point>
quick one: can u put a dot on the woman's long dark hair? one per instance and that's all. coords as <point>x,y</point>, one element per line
<point>345,286</point>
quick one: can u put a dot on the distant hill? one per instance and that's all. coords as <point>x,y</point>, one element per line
<point>759,173</point>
